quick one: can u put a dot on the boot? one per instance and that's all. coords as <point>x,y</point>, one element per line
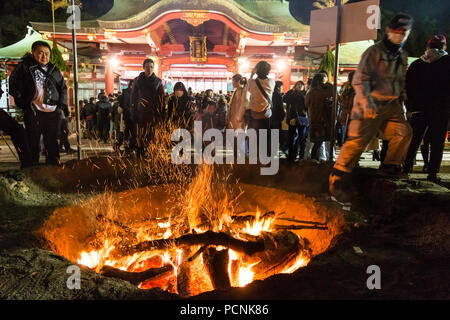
<point>339,185</point>
<point>392,171</point>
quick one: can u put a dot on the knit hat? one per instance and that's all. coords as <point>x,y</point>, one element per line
<point>437,41</point>
<point>401,21</point>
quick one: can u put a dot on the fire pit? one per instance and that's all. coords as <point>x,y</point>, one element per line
<point>195,237</point>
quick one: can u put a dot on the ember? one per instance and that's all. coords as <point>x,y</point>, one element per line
<point>188,236</point>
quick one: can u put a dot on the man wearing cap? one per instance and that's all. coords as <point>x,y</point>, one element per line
<point>428,90</point>
<point>38,87</point>
<point>379,84</point>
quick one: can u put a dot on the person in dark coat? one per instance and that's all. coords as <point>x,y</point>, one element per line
<point>18,136</point>
<point>297,120</point>
<point>147,105</point>
<point>278,113</point>
<point>64,144</point>
<point>104,109</point>
<point>90,117</point>
<point>428,92</point>
<point>180,107</point>
<point>129,133</point>
<point>317,101</point>
<point>209,96</point>
<point>39,89</point>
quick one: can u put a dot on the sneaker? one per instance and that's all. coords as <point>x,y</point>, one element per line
<point>339,185</point>
<point>392,171</point>
<point>425,168</point>
<point>376,155</point>
<point>434,178</point>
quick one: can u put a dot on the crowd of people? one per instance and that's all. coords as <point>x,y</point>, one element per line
<point>257,103</point>
<point>371,107</point>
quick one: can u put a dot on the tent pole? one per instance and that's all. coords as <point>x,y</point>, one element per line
<point>335,87</point>
<point>75,78</point>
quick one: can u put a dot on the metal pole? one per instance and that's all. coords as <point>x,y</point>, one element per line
<point>336,72</point>
<point>6,84</point>
<point>75,78</point>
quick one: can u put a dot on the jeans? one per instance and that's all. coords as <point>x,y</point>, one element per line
<point>297,142</point>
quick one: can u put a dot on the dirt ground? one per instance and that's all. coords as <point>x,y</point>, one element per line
<point>401,226</point>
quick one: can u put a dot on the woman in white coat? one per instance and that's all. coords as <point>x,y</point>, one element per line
<point>236,110</point>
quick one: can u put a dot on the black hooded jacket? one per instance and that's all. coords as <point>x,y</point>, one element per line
<point>147,99</point>
<point>103,108</point>
<point>22,85</point>
<point>295,104</point>
<point>428,84</point>
<point>124,102</point>
<point>180,108</point>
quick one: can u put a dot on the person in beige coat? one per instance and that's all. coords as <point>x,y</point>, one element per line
<point>379,84</point>
<point>236,110</point>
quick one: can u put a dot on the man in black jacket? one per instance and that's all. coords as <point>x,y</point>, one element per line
<point>89,115</point>
<point>428,91</point>
<point>125,104</point>
<point>38,87</point>
<point>147,105</point>
<point>103,108</point>
<point>18,136</point>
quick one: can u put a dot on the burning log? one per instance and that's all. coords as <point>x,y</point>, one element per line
<point>190,276</point>
<point>250,218</point>
<point>135,278</point>
<point>216,263</point>
<point>303,221</point>
<point>281,251</point>
<point>297,227</point>
<point>197,254</point>
<point>207,238</point>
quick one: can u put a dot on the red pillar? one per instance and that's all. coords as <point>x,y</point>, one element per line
<point>109,79</point>
<point>286,79</point>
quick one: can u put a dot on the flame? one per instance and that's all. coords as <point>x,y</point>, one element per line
<point>301,262</point>
<point>259,225</point>
<point>197,207</point>
<point>246,274</point>
<point>90,259</point>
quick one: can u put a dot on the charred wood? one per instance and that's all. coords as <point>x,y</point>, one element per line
<point>137,277</point>
<point>207,238</point>
<point>216,263</point>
